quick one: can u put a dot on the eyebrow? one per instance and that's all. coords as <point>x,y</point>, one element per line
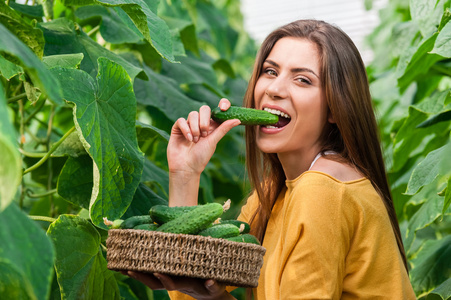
<point>294,70</point>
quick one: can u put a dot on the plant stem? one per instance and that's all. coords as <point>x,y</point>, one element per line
<point>42,218</point>
<point>47,155</point>
<point>50,192</point>
<point>32,154</point>
<point>93,30</point>
<point>35,111</point>
<point>17,98</point>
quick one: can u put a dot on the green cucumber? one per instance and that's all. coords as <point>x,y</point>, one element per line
<point>136,220</point>
<point>117,224</point>
<point>247,116</point>
<point>195,220</point>
<point>150,227</point>
<point>245,238</point>
<point>221,231</point>
<point>238,224</point>
<point>162,213</point>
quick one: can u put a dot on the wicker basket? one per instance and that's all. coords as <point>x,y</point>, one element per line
<point>232,263</point>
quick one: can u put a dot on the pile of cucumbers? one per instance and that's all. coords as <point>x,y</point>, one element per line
<point>201,220</point>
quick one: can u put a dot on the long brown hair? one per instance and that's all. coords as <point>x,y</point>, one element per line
<point>354,136</point>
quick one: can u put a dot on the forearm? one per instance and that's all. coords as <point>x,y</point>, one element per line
<point>183,188</point>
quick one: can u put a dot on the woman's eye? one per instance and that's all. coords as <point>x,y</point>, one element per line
<point>303,80</point>
<point>270,72</point>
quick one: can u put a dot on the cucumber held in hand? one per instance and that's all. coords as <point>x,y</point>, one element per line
<point>247,116</point>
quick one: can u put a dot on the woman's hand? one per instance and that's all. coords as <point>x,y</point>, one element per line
<point>191,146</point>
<point>193,140</point>
<point>196,288</point>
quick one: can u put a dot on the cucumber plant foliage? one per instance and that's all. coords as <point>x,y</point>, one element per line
<point>89,90</point>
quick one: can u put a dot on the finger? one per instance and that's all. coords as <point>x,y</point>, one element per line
<point>166,281</point>
<point>224,104</point>
<point>213,287</point>
<point>204,119</point>
<point>225,127</point>
<point>183,126</point>
<point>193,121</point>
<point>148,279</point>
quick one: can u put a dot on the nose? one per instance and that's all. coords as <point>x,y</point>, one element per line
<point>277,89</point>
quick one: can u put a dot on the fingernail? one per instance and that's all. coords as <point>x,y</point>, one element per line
<point>209,283</point>
<point>157,275</point>
<point>190,137</point>
<point>204,133</point>
<point>196,139</point>
<point>222,106</point>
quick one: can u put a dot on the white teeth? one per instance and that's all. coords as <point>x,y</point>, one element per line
<point>270,126</point>
<point>277,112</point>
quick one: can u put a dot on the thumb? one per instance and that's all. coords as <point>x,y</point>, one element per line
<point>225,127</point>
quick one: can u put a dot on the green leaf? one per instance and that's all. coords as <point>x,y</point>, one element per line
<point>116,26</point>
<point>105,112</point>
<point>163,93</point>
<point>30,36</point>
<point>191,70</point>
<point>442,44</point>
<point>143,200</point>
<point>9,69</point>
<point>70,61</point>
<point>39,74</point>
<point>63,37</point>
<point>76,181</point>
<point>432,265</point>
<point>442,292</point>
<point>28,251</point>
<point>71,146</point>
<point>10,161</point>
<point>33,11</point>
<point>427,14</point>
<point>426,171</point>
<point>13,284</point>
<point>429,211</point>
<point>80,267</point>
<point>417,63</point>
<point>154,29</point>
<point>153,174</point>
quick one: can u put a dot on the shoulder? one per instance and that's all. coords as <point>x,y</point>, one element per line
<point>339,170</point>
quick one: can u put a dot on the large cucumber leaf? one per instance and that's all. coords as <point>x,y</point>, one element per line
<point>76,181</point>
<point>154,29</point>
<point>163,93</point>
<point>39,74</point>
<point>26,255</point>
<point>115,27</point>
<point>62,36</point>
<point>104,115</point>
<point>10,161</point>
<point>80,267</point>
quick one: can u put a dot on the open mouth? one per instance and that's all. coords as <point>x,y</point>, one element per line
<point>284,118</point>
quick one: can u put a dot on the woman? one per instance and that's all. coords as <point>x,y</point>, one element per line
<point>321,204</point>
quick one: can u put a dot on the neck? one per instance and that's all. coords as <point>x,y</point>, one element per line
<point>294,164</point>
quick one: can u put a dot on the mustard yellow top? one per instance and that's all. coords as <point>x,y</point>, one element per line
<point>328,239</point>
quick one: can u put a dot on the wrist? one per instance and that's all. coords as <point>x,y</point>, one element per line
<point>183,188</point>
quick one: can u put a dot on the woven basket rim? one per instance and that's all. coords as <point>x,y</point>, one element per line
<point>229,262</point>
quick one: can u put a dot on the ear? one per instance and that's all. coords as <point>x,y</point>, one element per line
<point>330,118</point>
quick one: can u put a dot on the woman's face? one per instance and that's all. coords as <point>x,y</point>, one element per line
<point>290,85</point>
